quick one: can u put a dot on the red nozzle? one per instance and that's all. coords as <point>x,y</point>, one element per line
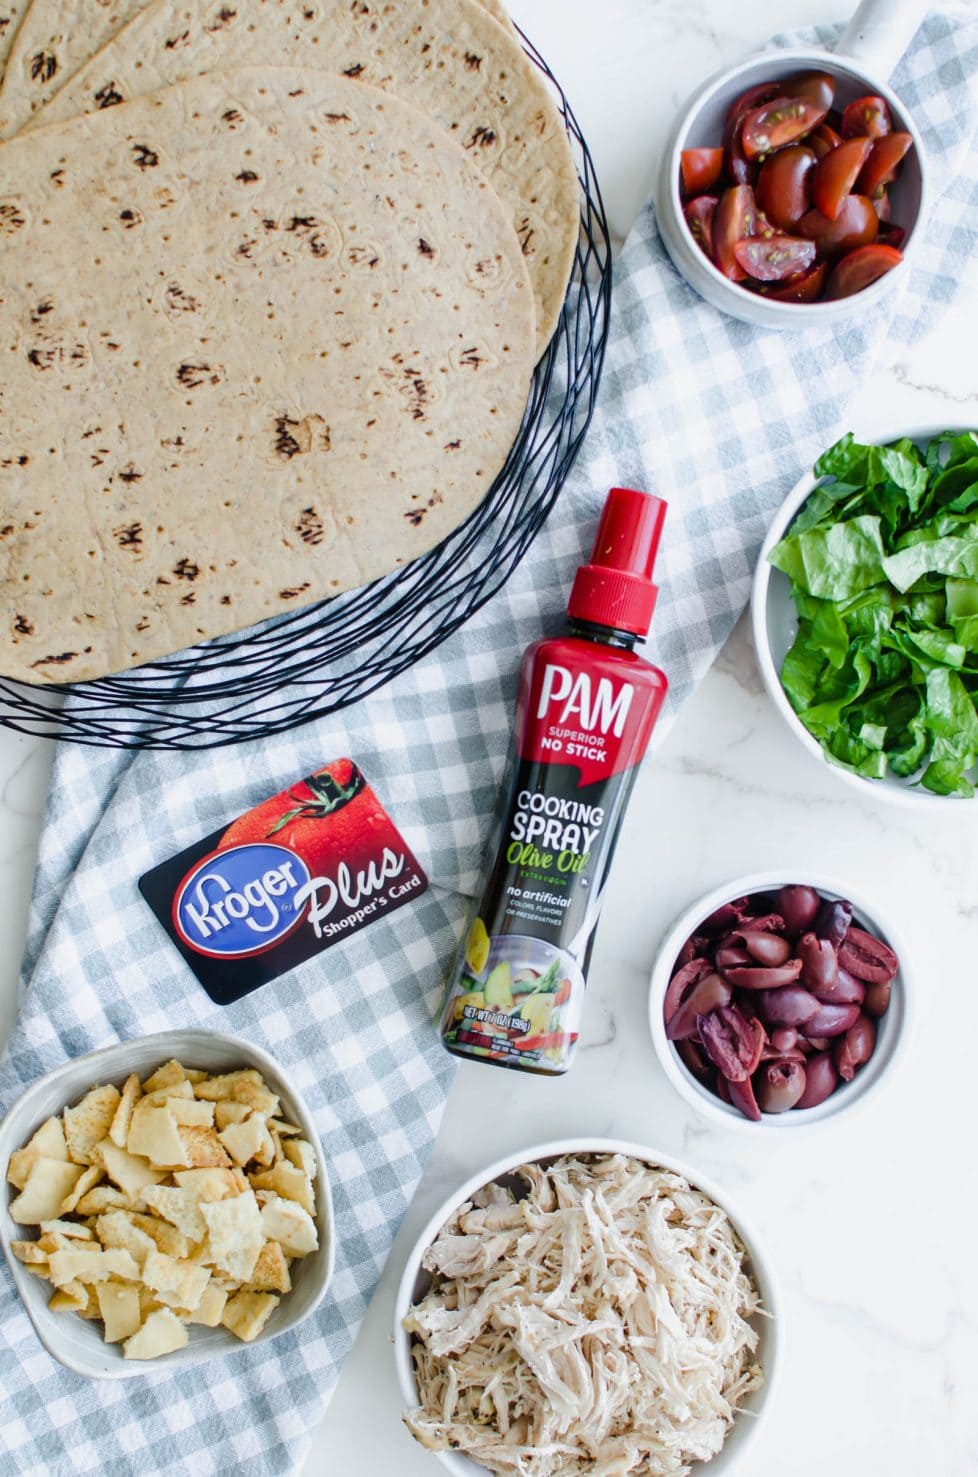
<point>615,588</point>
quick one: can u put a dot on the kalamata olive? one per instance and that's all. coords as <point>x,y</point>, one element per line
<point>868,958</point>
<point>855,1048</point>
<point>821,1080</point>
<point>686,954</point>
<point>727,916</point>
<point>792,1006</point>
<point>681,983</point>
<point>785,1038</point>
<point>729,955</point>
<point>760,1042</point>
<point>798,906</point>
<point>819,963</point>
<point>877,999</point>
<point>766,923</point>
<point>741,1095</point>
<point>779,1085</point>
<point>794,1055</point>
<point>706,995</point>
<point>732,1043</point>
<point>765,948</point>
<point>832,920</point>
<point>845,991</point>
<point>832,1020</point>
<point>694,1058</point>
<point>755,977</point>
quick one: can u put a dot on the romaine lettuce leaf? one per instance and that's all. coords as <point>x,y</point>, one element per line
<point>833,562</point>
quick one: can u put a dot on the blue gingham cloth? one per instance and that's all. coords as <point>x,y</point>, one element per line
<point>719,418</point>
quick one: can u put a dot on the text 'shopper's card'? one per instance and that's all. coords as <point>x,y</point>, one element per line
<point>298,873</point>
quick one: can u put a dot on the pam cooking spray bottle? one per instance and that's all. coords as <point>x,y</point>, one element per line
<point>586,709</point>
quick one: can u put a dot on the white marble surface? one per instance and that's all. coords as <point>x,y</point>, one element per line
<point>870,1224</point>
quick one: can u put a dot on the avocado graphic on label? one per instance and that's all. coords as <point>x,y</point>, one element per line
<point>499,988</point>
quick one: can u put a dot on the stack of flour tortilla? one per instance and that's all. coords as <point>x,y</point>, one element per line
<point>267,331</point>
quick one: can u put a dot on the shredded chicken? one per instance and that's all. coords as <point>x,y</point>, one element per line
<point>592,1315</point>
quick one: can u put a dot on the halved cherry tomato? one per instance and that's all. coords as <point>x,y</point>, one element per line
<point>805,289</point>
<point>701,169</point>
<point>739,167</point>
<point>836,174</point>
<point>699,215</point>
<point>867,117</point>
<point>777,123</point>
<point>783,187</point>
<point>764,92</point>
<point>884,159</point>
<point>735,219</point>
<point>822,140</point>
<point>890,235</point>
<point>860,269</point>
<point>856,225</point>
<point>775,258</point>
<point>817,87</point>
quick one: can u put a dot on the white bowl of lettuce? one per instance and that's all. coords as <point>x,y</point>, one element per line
<point>865,614</point>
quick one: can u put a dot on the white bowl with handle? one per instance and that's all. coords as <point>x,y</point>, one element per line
<point>868,52</point>
<point>76,1342</point>
<point>415,1281</point>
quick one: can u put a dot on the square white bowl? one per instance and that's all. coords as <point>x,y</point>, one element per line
<point>76,1342</point>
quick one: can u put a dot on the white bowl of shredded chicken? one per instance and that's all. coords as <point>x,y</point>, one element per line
<point>587,1307</point>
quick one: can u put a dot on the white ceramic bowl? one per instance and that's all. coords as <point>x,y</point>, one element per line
<point>415,1281</point>
<point>893,1028</point>
<point>77,1343</point>
<point>774,623</point>
<point>700,125</point>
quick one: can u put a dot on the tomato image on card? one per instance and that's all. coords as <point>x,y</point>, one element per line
<point>286,880</point>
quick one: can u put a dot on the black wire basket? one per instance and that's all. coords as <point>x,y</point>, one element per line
<point>304,665</point>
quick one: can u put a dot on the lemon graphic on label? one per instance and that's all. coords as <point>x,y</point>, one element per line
<point>536,1011</point>
<point>477,947</point>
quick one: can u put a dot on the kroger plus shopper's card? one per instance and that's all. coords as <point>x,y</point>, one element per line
<point>286,880</point>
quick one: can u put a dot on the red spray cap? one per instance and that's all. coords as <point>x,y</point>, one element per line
<point>615,588</point>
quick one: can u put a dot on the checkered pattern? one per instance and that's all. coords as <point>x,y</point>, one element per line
<point>719,418</point>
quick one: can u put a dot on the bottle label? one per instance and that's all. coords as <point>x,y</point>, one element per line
<point>516,991</point>
<point>586,719</point>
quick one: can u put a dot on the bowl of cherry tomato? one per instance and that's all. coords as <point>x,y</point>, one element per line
<point>792,189</point>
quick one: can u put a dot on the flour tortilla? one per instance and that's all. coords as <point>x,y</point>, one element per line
<point>54,40</point>
<point>499,13</point>
<point>447,57</point>
<point>59,36</point>
<point>266,336</point>
<point>11,15</point>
